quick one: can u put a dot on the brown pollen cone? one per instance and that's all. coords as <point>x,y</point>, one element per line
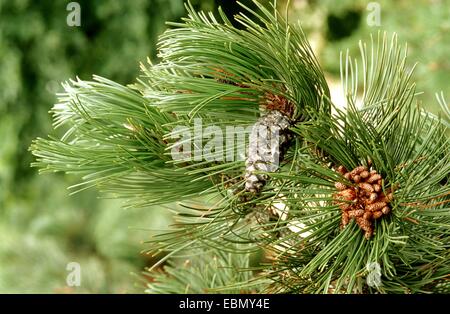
<point>363,199</point>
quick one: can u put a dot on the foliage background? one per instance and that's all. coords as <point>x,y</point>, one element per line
<point>41,227</point>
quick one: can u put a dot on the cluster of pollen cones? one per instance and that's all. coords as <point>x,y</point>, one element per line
<point>363,198</point>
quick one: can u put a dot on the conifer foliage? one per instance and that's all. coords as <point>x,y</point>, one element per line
<point>357,203</point>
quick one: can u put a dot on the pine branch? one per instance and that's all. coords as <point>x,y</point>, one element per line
<point>356,187</point>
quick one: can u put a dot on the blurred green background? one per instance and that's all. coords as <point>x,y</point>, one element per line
<point>42,228</point>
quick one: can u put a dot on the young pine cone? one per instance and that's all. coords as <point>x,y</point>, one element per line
<point>267,144</point>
